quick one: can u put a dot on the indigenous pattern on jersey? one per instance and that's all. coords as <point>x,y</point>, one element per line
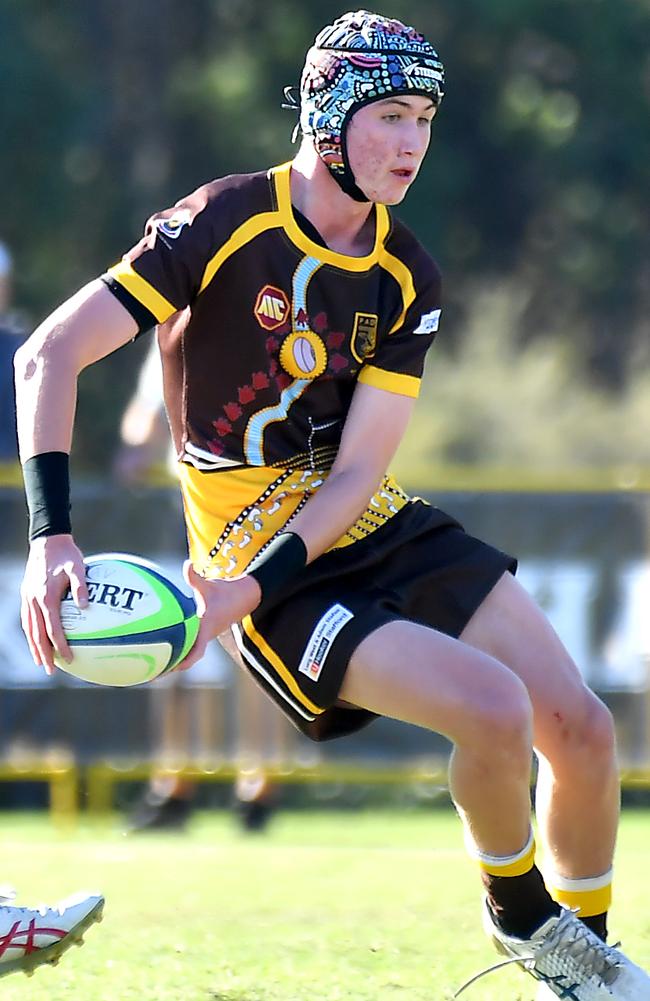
<point>264,334</point>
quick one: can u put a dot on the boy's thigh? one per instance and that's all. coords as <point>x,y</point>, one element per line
<point>510,626</point>
<point>413,673</point>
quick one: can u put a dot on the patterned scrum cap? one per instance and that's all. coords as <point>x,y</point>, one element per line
<point>361,57</point>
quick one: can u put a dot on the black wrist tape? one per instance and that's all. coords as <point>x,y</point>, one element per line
<point>279,563</point>
<point>47,488</point>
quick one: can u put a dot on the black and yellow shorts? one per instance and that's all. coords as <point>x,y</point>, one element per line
<point>421,566</point>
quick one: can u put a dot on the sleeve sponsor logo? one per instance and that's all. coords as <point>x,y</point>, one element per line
<point>271,307</point>
<point>173,226</point>
<point>428,322</point>
<point>320,642</point>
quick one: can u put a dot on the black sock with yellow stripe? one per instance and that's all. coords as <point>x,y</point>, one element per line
<point>519,904</point>
<point>516,893</point>
<point>589,897</point>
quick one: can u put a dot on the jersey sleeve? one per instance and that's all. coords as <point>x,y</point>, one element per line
<point>398,362</point>
<point>163,272</point>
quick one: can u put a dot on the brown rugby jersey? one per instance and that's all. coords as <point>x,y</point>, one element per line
<point>264,333</point>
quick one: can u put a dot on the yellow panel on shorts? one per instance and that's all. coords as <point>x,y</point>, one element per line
<point>231,514</point>
<point>383,505</point>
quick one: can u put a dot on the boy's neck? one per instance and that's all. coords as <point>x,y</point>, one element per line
<point>346,226</point>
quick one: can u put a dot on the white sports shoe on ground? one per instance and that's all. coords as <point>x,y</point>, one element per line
<point>572,962</point>
<point>31,936</point>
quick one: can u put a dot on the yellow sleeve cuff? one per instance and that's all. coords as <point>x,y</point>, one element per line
<point>140,289</point>
<point>394,382</point>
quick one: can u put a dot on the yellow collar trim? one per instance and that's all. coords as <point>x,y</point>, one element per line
<point>282,179</point>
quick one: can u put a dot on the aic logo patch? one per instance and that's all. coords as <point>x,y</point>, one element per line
<point>271,307</point>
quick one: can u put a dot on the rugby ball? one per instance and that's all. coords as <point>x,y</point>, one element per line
<point>137,626</point>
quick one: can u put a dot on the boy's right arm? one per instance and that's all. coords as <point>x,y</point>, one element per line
<point>84,329</point>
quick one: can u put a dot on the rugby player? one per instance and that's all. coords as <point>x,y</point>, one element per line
<point>294,315</point>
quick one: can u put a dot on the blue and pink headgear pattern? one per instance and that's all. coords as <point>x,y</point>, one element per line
<point>360,58</point>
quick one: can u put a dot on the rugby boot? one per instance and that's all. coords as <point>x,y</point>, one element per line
<point>571,961</point>
<point>32,936</point>
<point>156,812</point>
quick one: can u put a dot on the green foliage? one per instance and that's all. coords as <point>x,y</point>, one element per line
<point>493,403</point>
<point>369,906</point>
<point>539,169</point>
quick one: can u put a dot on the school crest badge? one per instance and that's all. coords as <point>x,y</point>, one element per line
<point>364,335</point>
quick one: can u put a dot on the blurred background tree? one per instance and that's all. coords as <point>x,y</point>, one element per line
<point>534,198</point>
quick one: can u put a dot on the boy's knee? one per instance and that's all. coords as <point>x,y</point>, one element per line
<point>585,731</point>
<point>501,724</point>
<point>595,728</point>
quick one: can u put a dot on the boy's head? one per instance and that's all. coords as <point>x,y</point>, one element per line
<point>359,59</point>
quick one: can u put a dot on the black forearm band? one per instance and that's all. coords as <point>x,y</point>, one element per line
<point>47,488</point>
<point>279,563</point>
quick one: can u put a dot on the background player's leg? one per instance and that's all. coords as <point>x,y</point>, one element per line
<point>166,803</point>
<point>578,791</point>
<point>258,725</point>
<point>408,672</point>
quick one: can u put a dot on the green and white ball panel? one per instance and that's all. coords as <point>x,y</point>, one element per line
<point>137,626</point>
<point>118,666</point>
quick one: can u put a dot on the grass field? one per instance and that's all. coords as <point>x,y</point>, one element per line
<point>370,906</point>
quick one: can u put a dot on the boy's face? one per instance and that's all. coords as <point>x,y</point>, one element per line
<point>386,143</point>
